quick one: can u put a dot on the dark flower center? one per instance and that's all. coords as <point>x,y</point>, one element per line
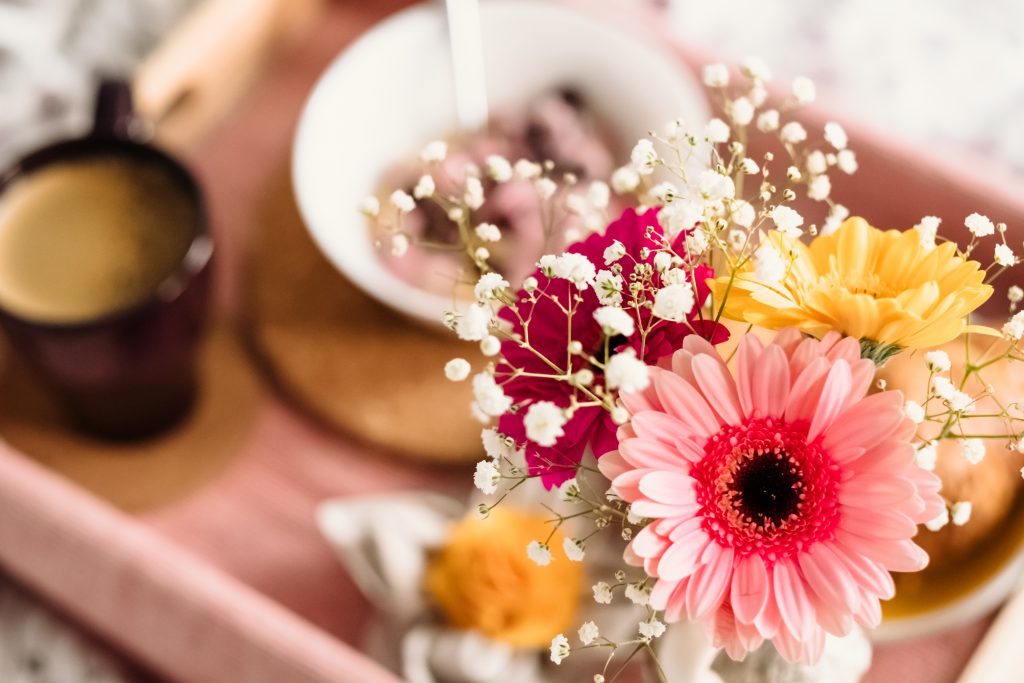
<point>765,488</point>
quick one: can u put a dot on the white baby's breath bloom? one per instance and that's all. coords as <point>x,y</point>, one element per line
<point>546,187</point>
<point>625,179</point>
<point>490,397</point>
<point>926,456</point>
<point>846,160</point>
<point>662,261</point>
<point>1014,327</point>
<point>370,207</point>
<point>489,286</point>
<point>960,512</point>
<point>674,302</point>
<point>769,266</point>
<point>525,169</point>
<point>403,201</point>
<point>638,594</point>
<point>714,186</point>
<point>1004,255</point>
<point>546,263</point>
<point>755,67</point>
<point>615,321</point>
<point>425,187</point>
<point>539,552</point>
<point>575,268</point>
<point>696,242</point>
<point>559,648</point>
<point>455,214</point>
<point>927,229</point>
<point>588,633</point>
<point>488,232</point>
<point>602,593</point>
<point>743,213</point>
<point>608,287</point>
<point>973,450</point>
<point>651,629</point>
<point>664,192</point>
<point>644,157</point>
<point>768,121</point>
<point>787,220</point>
<point>816,162</point>
<point>793,133</point>
<point>835,135</point>
<point>1015,294</point>
<point>716,75</point>
<point>498,168</point>
<point>543,422</point>
<point>674,130</point>
<point>836,215</point>
<point>486,477</point>
<point>794,174</point>
<point>937,361</point>
<point>574,549</point>
<point>399,244</point>
<point>682,214</point>
<point>569,490</point>
<point>820,188</point>
<point>614,252</point>
<point>939,521</point>
<point>474,322</point>
<point>490,345</point>
<point>803,90</point>
<point>741,111</point>
<point>958,401</point>
<point>757,94</point>
<point>737,239</point>
<point>482,253</point>
<point>434,151</point>
<point>717,131</point>
<point>474,195</point>
<point>626,372</point>
<point>979,225</point>
<point>495,445</point>
<point>598,194</point>
<point>620,415</point>
<point>914,411</point>
<point>749,166</point>
<point>457,369</point>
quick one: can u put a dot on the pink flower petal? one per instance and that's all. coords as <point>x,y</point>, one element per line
<point>867,422</point>
<point>683,557</point>
<point>641,452</point>
<point>803,397</point>
<point>749,588</point>
<point>875,490</point>
<point>876,523</point>
<point>648,544</point>
<point>675,607</point>
<point>828,577</point>
<point>686,404</point>
<point>832,399</point>
<point>747,359</point>
<point>656,426</point>
<point>770,383</point>
<point>710,584</point>
<point>868,574</point>
<point>674,488</point>
<point>651,509</point>
<point>715,382</point>
<point>794,604</point>
<point>895,556</point>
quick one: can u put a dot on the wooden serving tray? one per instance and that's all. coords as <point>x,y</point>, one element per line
<point>200,557</point>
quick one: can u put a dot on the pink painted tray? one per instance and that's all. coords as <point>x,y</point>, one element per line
<point>231,581</point>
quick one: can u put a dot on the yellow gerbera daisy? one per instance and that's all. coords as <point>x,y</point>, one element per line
<point>882,287</point>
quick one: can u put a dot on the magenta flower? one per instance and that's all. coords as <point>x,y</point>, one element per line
<point>550,333</point>
<point>780,496</point>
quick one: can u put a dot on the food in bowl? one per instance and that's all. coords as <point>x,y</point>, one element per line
<point>558,129</point>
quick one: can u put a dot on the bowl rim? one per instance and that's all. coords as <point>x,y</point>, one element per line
<point>421,305</point>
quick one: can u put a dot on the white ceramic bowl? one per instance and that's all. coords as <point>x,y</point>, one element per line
<point>391,92</point>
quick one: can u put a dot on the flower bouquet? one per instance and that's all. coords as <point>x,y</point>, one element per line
<point>695,376</point>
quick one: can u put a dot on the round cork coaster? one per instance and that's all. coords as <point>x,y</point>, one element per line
<point>141,475</point>
<point>345,358</point>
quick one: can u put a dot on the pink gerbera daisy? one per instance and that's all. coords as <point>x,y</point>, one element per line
<point>550,331</point>
<point>779,499</point>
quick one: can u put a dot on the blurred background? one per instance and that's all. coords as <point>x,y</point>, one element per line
<point>937,75</point>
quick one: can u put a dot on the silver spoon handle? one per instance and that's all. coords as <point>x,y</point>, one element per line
<point>467,48</point>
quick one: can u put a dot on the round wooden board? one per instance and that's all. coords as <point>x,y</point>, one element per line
<point>346,358</point>
<point>142,475</point>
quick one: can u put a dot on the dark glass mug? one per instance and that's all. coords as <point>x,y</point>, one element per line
<point>131,372</point>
